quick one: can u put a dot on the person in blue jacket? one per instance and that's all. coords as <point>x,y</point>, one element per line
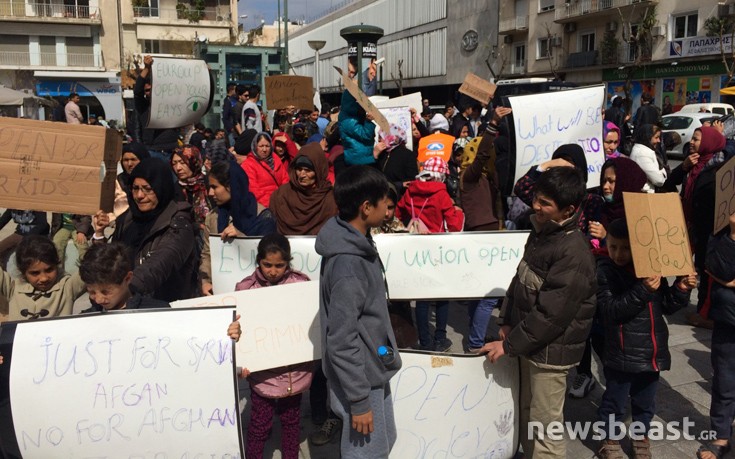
<point>358,132</point>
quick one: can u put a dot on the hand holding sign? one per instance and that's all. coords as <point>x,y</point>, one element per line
<point>363,100</point>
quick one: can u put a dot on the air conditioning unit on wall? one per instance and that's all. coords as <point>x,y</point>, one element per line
<point>556,42</point>
<point>508,39</point>
<point>612,26</point>
<point>658,31</point>
<point>570,27</point>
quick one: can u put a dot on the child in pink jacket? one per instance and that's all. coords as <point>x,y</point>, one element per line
<point>277,390</point>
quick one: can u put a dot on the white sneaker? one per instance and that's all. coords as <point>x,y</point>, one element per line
<point>582,386</point>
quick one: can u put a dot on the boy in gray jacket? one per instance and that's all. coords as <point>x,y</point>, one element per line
<point>354,317</point>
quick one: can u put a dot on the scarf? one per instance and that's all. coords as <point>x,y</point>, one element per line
<point>242,208</point>
<point>301,211</point>
<point>254,149</point>
<point>607,127</point>
<point>712,143</point>
<point>139,150</point>
<point>158,175</point>
<point>629,177</point>
<point>194,187</point>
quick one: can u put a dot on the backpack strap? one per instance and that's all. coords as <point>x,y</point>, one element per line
<point>413,214</point>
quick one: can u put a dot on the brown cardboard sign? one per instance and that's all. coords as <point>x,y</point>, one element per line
<point>659,240</point>
<point>477,88</point>
<point>284,90</point>
<point>363,100</point>
<point>57,167</point>
<point>724,195</point>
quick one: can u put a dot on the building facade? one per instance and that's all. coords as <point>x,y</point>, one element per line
<point>588,41</point>
<point>56,47</point>
<point>436,43</point>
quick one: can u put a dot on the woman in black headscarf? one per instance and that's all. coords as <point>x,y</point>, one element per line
<point>159,232</point>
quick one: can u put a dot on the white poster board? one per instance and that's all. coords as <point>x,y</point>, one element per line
<point>413,100</point>
<point>455,406</point>
<point>427,266</point>
<point>399,116</point>
<point>181,92</point>
<point>545,121</point>
<point>280,324</point>
<point>139,384</point>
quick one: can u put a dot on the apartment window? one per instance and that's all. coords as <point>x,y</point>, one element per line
<point>151,47</point>
<point>685,25</point>
<point>519,55</point>
<point>586,41</point>
<point>546,5</point>
<point>543,49</point>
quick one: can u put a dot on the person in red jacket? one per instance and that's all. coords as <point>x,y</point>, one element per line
<point>427,200</point>
<point>265,170</point>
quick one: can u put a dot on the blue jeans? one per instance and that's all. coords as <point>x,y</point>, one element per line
<point>642,390</point>
<point>479,314</point>
<point>422,322</point>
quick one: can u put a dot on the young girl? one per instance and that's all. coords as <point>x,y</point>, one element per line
<point>277,389</point>
<point>43,291</point>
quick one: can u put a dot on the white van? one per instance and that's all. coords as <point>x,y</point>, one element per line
<point>715,108</point>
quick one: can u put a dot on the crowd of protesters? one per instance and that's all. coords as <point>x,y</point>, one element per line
<point>309,171</point>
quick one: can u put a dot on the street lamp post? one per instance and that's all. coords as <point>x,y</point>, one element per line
<point>359,36</point>
<point>316,45</point>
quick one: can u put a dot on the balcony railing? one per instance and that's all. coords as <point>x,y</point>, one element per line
<point>211,13</point>
<point>517,68</point>
<point>575,8</point>
<point>516,23</point>
<point>582,59</point>
<point>25,59</point>
<point>48,10</point>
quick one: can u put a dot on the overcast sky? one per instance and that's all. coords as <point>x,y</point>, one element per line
<point>267,10</point>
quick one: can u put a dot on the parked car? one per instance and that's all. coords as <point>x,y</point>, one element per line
<point>713,107</point>
<point>684,124</point>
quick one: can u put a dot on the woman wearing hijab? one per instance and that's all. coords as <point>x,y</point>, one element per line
<point>306,202</point>
<point>187,163</point>
<point>647,139</point>
<point>610,139</point>
<point>159,232</point>
<point>132,154</point>
<point>568,155</point>
<point>235,214</point>
<point>618,175</point>
<point>397,162</point>
<point>265,170</point>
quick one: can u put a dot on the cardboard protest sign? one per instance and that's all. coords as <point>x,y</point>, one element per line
<point>57,167</point>
<point>363,100</point>
<point>124,384</point>
<point>437,400</point>
<point>282,91</point>
<point>426,266</point>
<point>724,195</point>
<point>477,88</point>
<point>280,326</point>
<point>659,240</point>
<point>181,92</point>
<point>545,121</point>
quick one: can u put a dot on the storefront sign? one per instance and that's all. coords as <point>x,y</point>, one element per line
<point>666,70</point>
<point>699,46</point>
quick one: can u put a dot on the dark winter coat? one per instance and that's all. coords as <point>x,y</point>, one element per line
<point>720,263</point>
<point>166,261</point>
<point>153,139</point>
<point>636,335</point>
<point>399,165</point>
<point>551,300</point>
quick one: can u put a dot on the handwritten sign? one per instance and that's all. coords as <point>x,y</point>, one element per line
<point>128,384</point>
<point>280,326</point>
<point>401,117</point>
<point>438,399</point>
<point>724,195</point>
<point>181,92</point>
<point>57,167</point>
<point>658,234</point>
<point>477,88</point>
<point>284,90</point>
<point>430,266</point>
<point>543,122</point>
<point>363,100</point>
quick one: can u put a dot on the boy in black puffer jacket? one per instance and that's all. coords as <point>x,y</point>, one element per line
<point>636,339</point>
